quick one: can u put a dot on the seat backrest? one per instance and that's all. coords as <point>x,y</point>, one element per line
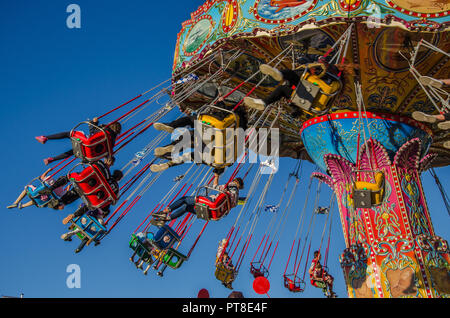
<point>223,147</point>
<point>94,147</point>
<point>374,187</point>
<point>163,232</point>
<point>93,187</point>
<point>218,207</point>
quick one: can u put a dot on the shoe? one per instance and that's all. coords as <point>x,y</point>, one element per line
<point>426,80</point>
<point>447,145</point>
<point>67,219</point>
<point>254,103</point>
<point>161,215</point>
<point>66,237</point>
<point>161,151</point>
<point>157,222</point>
<point>160,167</point>
<point>163,127</point>
<point>445,125</point>
<point>48,160</point>
<point>12,206</point>
<point>419,116</point>
<point>272,72</point>
<point>41,139</point>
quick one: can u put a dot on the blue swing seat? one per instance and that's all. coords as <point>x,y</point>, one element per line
<point>35,195</point>
<point>165,231</point>
<point>91,230</point>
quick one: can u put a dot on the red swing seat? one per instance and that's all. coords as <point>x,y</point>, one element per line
<point>92,148</point>
<point>93,187</point>
<point>257,269</point>
<point>208,209</point>
<point>293,283</point>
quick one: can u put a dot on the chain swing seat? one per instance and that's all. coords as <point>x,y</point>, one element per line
<point>143,251</point>
<point>163,250</point>
<point>207,208</point>
<point>90,230</point>
<point>93,147</point>
<point>224,273</point>
<point>35,190</point>
<point>294,283</point>
<point>321,92</point>
<point>368,194</point>
<point>159,247</point>
<point>220,121</point>
<point>257,269</point>
<point>92,187</point>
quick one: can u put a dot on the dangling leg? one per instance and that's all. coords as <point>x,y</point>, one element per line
<point>174,162</point>
<point>276,95</point>
<point>63,135</point>
<point>186,121</point>
<point>62,156</point>
<point>178,208</point>
<point>438,83</point>
<point>68,236</point>
<point>132,256</point>
<point>82,209</point>
<point>19,198</point>
<point>147,268</point>
<point>272,72</point>
<point>26,205</point>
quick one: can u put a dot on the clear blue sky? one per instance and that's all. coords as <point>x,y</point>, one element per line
<point>54,77</point>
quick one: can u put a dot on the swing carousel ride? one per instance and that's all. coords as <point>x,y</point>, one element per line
<point>357,128</point>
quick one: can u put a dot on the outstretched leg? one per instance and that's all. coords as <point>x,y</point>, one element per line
<point>19,198</point>
<point>62,135</point>
<point>174,162</point>
<point>62,156</point>
<point>178,123</point>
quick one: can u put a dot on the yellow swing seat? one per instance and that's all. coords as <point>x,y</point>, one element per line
<point>221,145</point>
<point>365,193</point>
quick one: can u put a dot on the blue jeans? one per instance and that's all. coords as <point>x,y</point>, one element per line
<point>182,206</point>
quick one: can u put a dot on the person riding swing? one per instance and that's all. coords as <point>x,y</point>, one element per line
<point>309,87</point>
<point>101,136</point>
<point>188,203</point>
<point>320,278</point>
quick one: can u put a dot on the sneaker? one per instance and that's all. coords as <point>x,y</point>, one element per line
<point>272,72</point>
<point>41,139</point>
<point>67,219</point>
<point>160,167</point>
<point>254,103</point>
<point>48,160</point>
<point>12,206</point>
<point>157,222</point>
<point>419,116</point>
<point>66,237</point>
<point>426,80</point>
<point>161,151</point>
<point>163,127</point>
<point>447,145</point>
<point>445,125</point>
<point>161,215</point>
